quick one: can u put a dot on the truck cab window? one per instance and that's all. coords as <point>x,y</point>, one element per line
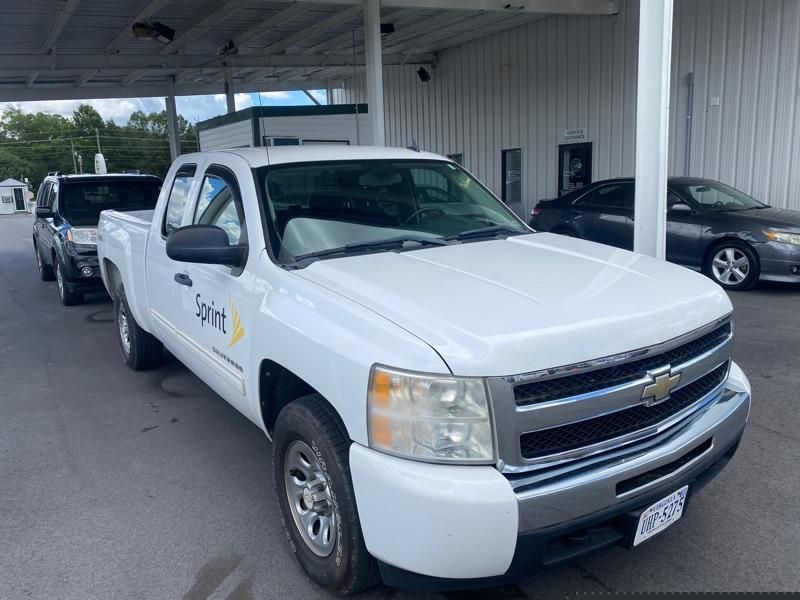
<point>177,198</point>
<point>219,205</point>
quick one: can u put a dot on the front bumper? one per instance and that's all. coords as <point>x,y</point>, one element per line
<point>76,261</point>
<point>446,527</point>
<point>779,262</point>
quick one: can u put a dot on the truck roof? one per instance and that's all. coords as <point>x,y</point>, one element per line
<point>276,155</point>
<point>96,176</point>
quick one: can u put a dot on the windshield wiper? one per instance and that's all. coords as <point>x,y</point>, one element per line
<point>386,244</point>
<point>492,231</point>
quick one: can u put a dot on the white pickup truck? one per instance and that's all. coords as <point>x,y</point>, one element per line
<point>454,399</point>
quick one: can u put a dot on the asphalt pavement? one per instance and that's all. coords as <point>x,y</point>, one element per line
<point>115,484</point>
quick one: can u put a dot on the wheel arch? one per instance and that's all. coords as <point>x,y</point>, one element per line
<point>278,386</point>
<point>113,276</point>
<point>720,241</point>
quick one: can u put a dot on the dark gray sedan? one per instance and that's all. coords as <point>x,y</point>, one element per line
<point>711,227</point>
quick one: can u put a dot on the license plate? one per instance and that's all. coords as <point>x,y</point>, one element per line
<point>660,515</point>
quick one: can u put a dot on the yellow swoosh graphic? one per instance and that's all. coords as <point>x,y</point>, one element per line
<point>238,329</point>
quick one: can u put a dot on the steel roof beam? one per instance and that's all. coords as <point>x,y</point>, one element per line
<point>68,91</point>
<point>155,63</point>
<point>64,15</point>
<point>262,27</point>
<point>215,18</point>
<point>556,7</point>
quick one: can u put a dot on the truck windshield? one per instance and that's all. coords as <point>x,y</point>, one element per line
<point>355,205</point>
<point>82,202</point>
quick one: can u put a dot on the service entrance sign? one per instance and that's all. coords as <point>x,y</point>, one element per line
<point>575,135</point>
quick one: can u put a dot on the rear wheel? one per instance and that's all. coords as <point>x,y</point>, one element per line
<point>67,297</point>
<point>316,498</point>
<point>140,350</point>
<point>733,265</point>
<point>45,270</point>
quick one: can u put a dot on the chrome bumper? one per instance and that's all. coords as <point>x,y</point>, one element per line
<point>554,496</point>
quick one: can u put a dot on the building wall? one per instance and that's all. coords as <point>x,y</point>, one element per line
<point>524,87</point>
<point>232,135</point>
<point>319,127</point>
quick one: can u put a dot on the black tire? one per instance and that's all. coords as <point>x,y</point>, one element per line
<point>67,297</point>
<point>311,421</point>
<point>726,254</point>
<point>142,350</point>
<point>45,271</point>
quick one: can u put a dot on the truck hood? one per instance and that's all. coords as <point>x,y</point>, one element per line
<point>505,307</point>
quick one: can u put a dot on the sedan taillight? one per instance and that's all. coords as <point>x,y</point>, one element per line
<point>536,211</point>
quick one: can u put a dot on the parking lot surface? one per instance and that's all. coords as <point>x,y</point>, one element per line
<point>115,484</point>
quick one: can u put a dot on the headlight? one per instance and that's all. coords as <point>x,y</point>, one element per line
<point>85,236</point>
<point>434,418</point>
<point>784,236</point>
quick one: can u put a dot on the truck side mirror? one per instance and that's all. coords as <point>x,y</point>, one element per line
<point>44,212</point>
<point>206,244</point>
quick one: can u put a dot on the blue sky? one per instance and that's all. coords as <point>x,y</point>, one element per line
<point>193,108</point>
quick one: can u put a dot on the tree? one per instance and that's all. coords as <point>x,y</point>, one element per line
<point>87,119</point>
<point>31,144</point>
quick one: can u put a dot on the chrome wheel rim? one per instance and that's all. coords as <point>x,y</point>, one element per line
<point>124,331</point>
<point>60,281</point>
<point>309,496</point>
<point>730,266</point>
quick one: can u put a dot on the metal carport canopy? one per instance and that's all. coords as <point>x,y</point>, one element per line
<point>69,49</point>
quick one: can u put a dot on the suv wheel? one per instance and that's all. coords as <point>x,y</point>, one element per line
<point>45,270</point>
<point>67,297</point>
<point>316,498</point>
<point>140,350</point>
<point>733,265</point>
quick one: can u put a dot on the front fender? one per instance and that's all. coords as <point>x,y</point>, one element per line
<point>329,341</point>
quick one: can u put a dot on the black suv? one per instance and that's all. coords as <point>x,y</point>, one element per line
<point>65,228</point>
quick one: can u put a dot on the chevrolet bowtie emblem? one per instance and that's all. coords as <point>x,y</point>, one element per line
<point>663,382</point>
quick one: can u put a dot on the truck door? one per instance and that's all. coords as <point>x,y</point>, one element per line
<point>161,270</point>
<point>214,302</point>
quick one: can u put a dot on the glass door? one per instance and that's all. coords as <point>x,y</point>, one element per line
<point>574,167</point>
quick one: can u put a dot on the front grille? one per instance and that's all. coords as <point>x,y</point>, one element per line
<point>573,385</point>
<point>599,429</point>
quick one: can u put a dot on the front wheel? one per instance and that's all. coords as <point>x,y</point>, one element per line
<point>733,265</point>
<point>67,297</point>
<point>45,270</point>
<point>315,494</point>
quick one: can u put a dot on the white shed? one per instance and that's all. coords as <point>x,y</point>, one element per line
<point>286,126</point>
<point>12,196</point>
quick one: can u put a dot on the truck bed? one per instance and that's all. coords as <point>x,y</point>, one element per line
<point>121,245</point>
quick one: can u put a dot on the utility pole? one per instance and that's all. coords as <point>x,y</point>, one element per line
<point>80,164</point>
<point>74,164</point>
<point>97,134</point>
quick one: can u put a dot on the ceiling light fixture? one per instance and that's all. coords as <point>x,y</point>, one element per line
<point>153,31</point>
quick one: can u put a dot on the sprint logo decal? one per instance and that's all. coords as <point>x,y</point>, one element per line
<point>217,318</point>
<point>238,329</point>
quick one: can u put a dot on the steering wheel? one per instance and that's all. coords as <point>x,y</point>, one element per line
<point>421,211</point>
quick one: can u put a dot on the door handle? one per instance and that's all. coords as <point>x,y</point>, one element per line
<point>183,279</point>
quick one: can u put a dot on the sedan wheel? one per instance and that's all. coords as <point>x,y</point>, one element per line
<point>734,266</point>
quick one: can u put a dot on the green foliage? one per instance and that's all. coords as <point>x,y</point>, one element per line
<point>32,144</point>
